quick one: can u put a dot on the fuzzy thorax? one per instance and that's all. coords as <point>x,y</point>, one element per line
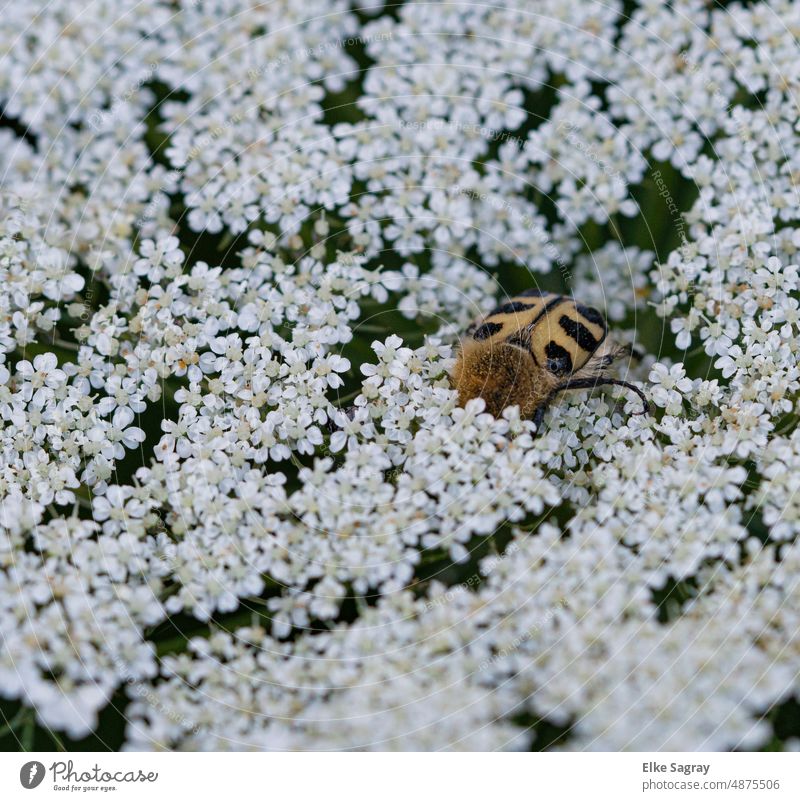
<point>503,375</point>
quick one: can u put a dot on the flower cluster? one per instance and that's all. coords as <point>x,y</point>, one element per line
<point>238,243</point>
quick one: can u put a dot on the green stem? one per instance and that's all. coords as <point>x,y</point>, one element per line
<point>57,740</point>
<point>345,398</point>
<point>28,731</point>
<point>14,723</point>
<point>65,345</point>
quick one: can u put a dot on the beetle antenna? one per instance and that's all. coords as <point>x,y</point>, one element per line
<point>591,383</point>
<point>631,351</point>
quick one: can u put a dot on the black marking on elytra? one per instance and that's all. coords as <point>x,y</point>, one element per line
<point>551,305</point>
<point>533,293</point>
<point>591,314</point>
<point>579,332</point>
<point>487,330</point>
<point>512,307</point>
<point>558,360</point>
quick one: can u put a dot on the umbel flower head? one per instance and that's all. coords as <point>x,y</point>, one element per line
<point>237,491</point>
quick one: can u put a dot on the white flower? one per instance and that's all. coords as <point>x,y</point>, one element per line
<point>159,258</point>
<point>41,377</point>
<point>670,385</point>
